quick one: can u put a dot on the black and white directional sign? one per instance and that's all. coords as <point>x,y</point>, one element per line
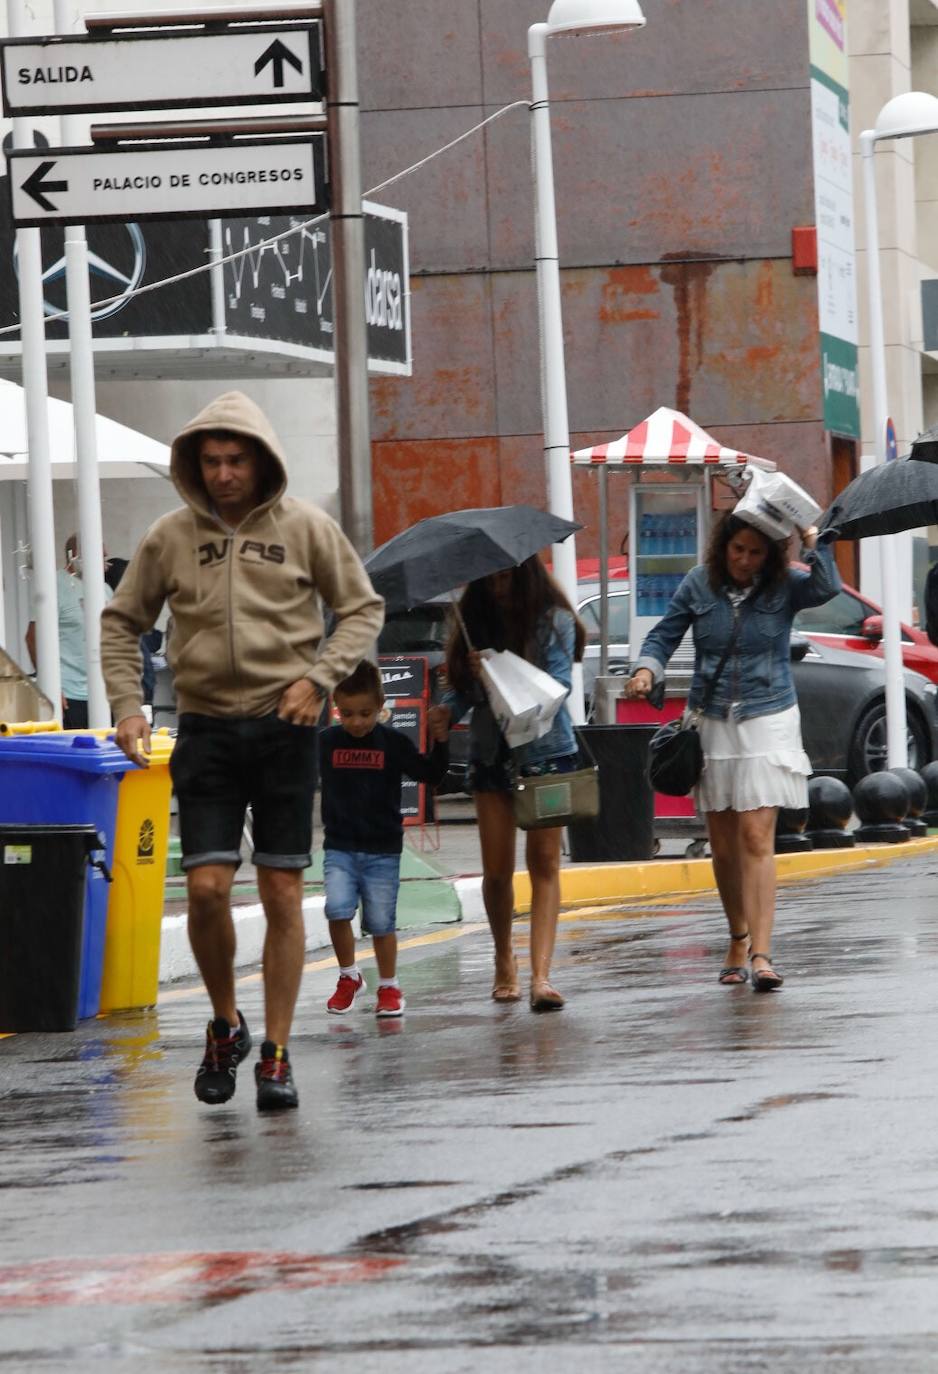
<point>167,181</point>
<point>263,65</point>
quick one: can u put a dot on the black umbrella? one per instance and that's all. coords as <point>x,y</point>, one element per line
<point>925,447</point>
<point>445,551</point>
<point>886,499</point>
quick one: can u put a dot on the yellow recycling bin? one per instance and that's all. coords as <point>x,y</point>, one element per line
<point>141,845</point>
<point>135,907</point>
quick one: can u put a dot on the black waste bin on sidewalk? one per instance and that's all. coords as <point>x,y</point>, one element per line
<point>42,903</point>
<point>624,828</point>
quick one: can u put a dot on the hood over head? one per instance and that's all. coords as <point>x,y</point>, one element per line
<point>232,413</point>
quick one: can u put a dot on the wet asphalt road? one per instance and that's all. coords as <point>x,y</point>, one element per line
<point>668,1176</point>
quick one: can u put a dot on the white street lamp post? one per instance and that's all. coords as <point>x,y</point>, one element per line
<point>566,16</point>
<point>902,117</point>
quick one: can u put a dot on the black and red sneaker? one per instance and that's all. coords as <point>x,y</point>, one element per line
<point>225,1047</point>
<point>274,1077</point>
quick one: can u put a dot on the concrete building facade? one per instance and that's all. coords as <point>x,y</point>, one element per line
<point>683,162</point>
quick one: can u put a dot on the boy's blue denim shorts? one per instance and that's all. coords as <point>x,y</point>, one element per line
<point>352,876</point>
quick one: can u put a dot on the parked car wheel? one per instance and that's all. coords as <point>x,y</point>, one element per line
<point>868,749</point>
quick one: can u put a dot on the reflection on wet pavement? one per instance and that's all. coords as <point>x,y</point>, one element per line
<point>485,1183</point>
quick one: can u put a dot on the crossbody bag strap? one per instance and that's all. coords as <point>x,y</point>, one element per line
<point>712,684</point>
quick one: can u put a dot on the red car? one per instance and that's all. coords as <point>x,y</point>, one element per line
<point>851,621</point>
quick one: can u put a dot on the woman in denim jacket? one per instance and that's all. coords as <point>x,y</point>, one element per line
<point>754,760</point>
<point>521,609</point>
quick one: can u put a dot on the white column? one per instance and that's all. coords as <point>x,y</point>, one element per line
<point>36,391</point>
<point>897,739</point>
<point>553,368</point>
<point>84,415</point>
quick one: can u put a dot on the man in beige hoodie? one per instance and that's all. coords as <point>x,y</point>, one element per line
<point>245,570</point>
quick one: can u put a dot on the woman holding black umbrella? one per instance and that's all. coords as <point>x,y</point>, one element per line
<point>521,609</point>
<point>739,606</point>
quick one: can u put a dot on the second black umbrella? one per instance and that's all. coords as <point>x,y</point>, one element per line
<point>886,499</point>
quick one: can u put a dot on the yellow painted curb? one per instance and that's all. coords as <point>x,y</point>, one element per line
<point>663,877</point>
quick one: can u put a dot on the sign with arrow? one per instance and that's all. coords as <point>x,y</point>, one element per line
<point>263,65</point>
<point>167,181</point>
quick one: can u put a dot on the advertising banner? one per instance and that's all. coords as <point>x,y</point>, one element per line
<point>833,203</point>
<point>407,699</point>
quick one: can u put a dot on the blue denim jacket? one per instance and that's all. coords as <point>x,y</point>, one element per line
<point>556,640</point>
<point>757,676</point>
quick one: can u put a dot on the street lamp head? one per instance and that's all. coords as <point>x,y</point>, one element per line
<point>577,16</point>
<point>913,112</point>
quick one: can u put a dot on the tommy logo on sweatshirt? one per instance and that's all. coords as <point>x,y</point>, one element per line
<point>358,758</point>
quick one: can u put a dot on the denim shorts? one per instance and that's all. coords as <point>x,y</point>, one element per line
<point>352,876</point>
<point>222,765</point>
<point>496,777</point>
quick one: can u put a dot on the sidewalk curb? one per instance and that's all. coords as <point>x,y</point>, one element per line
<point>664,877</point>
<point>613,882</point>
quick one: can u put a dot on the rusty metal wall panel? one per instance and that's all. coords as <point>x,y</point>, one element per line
<point>735,342</point>
<point>418,53</point>
<point>453,389</point>
<point>730,177</point>
<point>686,46</point>
<point>643,179</point>
<point>414,479</point>
<point>674,219</point>
<point>445,200</point>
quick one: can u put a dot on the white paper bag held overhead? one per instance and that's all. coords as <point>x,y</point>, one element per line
<point>524,699</point>
<point>776,505</point>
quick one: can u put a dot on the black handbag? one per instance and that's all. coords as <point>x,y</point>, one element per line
<point>675,757</point>
<point>675,754</point>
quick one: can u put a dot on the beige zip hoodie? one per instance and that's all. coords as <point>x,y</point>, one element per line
<point>247,607</point>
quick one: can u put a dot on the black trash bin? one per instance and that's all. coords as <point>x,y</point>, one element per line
<point>624,828</point>
<point>42,903</point>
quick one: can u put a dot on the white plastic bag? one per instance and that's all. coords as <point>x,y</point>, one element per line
<point>524,699</point>
<point>776,505</point>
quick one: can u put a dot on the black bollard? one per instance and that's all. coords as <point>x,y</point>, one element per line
<point>881,802</point>
<point>789,830</point>
<point>918,799</point>
<point>830,807</point>
<point>929,776</point>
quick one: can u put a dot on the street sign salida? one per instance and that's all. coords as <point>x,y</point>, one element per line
<point>262,65</point>
<point>167,181</point>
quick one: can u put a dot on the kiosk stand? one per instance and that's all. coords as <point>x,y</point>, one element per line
<point>674,465</point>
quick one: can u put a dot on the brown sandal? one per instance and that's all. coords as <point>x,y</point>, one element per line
<point>510,991</point>
<point>765,979</point>
<point>735,975</point>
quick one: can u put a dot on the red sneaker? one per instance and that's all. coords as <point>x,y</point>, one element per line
<point>346,990</point>
<point>390,1002</point>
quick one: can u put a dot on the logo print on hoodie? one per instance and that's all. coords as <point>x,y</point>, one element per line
<point>213,553</point>
<point>270,553</point>
<point>217,553</point>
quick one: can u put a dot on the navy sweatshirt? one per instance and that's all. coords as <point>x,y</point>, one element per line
<point>361,786</point>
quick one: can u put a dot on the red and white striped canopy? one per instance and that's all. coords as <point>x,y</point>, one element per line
<point>666,437</point>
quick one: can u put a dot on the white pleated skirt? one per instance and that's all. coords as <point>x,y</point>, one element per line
<point>753,763</point>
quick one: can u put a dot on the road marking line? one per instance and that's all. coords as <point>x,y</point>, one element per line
<point>435,937</point>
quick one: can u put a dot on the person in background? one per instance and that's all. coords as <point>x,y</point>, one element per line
<point>524,610</point>
<point>150,643</point>
<point>246,570</point>
<point>754,760</point>
<point>73,657</point>
<point>362,761</point>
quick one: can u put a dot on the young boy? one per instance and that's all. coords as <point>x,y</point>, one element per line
<point>361,765</point>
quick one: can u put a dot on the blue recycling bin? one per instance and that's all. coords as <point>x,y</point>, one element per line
<point>60,779</point>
